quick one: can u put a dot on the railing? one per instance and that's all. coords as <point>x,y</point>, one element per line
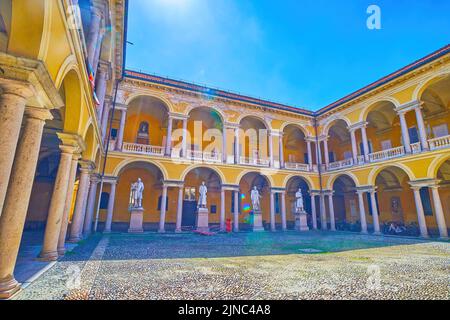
<point>197,155</point>
<point>142,149</point>
<point>387,154</point>
<point>297,166</point>
<point>340,164</point>
<point>439,143</point>
<point>255,161</point>
<point>416,147</point>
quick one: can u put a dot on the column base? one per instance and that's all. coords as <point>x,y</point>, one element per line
<point>178,231</point>
<point>75,240</point>
<point>425,236</point>
<point>377,233</point>
<point>161,231</point>
<point>106,231</point>
<point>48,256</point>
<point>443,238</point>
<point>364,232</point>
<point>9,287</point>
<point>62,251</point>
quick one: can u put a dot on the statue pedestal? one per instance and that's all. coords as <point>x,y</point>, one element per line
<point>301,221</point>
<point>136,220</point>
<point>257,224</point>
<point>202,220</point>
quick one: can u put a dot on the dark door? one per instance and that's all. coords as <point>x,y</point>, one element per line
<point>189,214</point>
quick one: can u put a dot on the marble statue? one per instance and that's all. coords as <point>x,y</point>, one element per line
<point>137,191</point>
<point>203,190</point>
<point>255,197</point>
<point>299,205</point>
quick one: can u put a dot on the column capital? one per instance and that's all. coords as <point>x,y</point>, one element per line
<point>87,166</point>
<point>72,140</point>
<point>367,188</point>
<point>414,104</point>
<point>95,178</point>
<point>275,133</point>
<point>230,187</point>
<point>278,190</point>
<point>177,116</point>
<point>314,193</point>
<point>110,179</point>
<point>310,139</point>
<point>231,125</point>
<point>38,113</point>
<point>418,184</point>
<point>359,125</point>
<point>173,183</point>
<point>329,192</point>
<point>105,68</point>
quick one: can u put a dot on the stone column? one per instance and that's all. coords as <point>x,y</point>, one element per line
<point>12,106</point>
<point>313,211</point>
<point>405,132</point>
<point>100,89</point>
<point>17,198</point>
<point>438,212</point>
<point>362,211</point>
<point>281,151</point>
<point>331,207</point>
<point>375,217</point>
<point>271,158</point>
<point>224,144</point>
<point>123,118</point>
<point>327,154</point>
<point>109,215</point>
<point>87,229</point>
<point>354,146</point>
<point>237,159</point>
<point>222,210</point>
<point>184,142</point>
<point>283,211</point>
<point>319,153</point>
<point>323,214</point>
<point>98,50</point>
<point>236,212</point>
<point>310,159</point>
<point>420,214</point>
<point>68,205</point>
<point>272,211</point>
<point>169,137</point>
<point>76,227</point>
<point>179,209</point>
<point>94,32</point>
<point>105,118</point>
<point>365,143</point>
<point>162,219</point>
<point>421,127</point>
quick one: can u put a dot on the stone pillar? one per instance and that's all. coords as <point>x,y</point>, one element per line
<point>272,211</point>
<point>169,137</point>
<point>184,142</point>
<point>327,154</point>
<point>375,216</point>
<point>420,214</point>
<point>354,146</point>
<point>105,118</point>
<point>109,215</point>
<point>438,212</point>
<point>421,127</point>
<point>237,159</point>
<point>162,219</point>
<point>222,210</point>
<point>365,143</point>
<point>179,209</point>
<point>12,106</point>
<point>17,198</point>
<point>236,212</point>
<point>313,211</point>
<point>272,165</point>
<point>281,151</point>
<point>310,158</point>
<point>319,153</point>
<point>362,211</point>
<point>98,50</point>
<point>331,208</point>
<point>323,214</point>
<point>94,32</point>
<point>68,205</point>
<point>100,89</point>
<point>283,211</point>
<point>76,227</point>
<point>224,145</point>
<point>405,132</point>
<point>123,118</point>
<point>87,229</point>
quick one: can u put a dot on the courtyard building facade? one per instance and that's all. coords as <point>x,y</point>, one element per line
<point>77,129</point>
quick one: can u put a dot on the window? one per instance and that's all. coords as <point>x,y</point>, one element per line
<point>348,155</point>
<point>189,194</point>
<point>113,133</point>
<point>213,209</point>
<point>277,203</point>
<point>159,203</point>
<point>413,135</point>
<point>239,203</point>
<point>426,201</point>
<point>369,203</point>
<point>306,158</point>
<point>361,147</point>
<point>331,156</point>
<point>104,200</point>
<point>440,130</point>
<point>386,145</point>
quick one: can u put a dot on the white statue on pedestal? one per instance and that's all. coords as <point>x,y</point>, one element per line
<point>203,190</point>
<point>137,191</point>
<point>299,205</point>
<point>255,197</point>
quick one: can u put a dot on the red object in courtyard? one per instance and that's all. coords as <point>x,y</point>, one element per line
<point>228,226</point>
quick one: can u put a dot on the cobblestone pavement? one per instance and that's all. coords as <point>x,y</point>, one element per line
<point>248,266</point>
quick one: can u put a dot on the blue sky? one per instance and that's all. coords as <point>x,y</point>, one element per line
<point>305,53</point>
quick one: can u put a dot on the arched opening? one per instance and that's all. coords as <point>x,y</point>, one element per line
<point>253,142</point>
<point>396,206</point>
<point>292,187</point>
<point>295,148</point>
<point>246,184</point>
<point>205,127</point>
<point>192,182</point>
<point>443,175</point>
<point>345,202</point>
<point>146,126</point>
<point>339,143</point>
<point>153,178</point>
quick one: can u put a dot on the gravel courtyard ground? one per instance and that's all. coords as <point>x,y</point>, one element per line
<point>248,266</point>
